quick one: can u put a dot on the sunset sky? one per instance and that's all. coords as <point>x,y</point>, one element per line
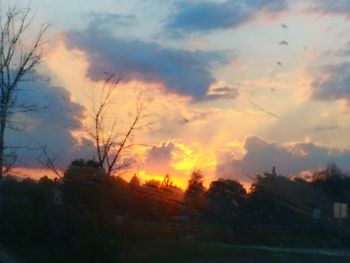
<point>234,87</point>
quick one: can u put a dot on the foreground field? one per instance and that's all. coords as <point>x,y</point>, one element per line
<point>196,252</point>
<point>184,252</point>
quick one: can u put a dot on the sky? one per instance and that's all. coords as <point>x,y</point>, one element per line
<point>232,87</point>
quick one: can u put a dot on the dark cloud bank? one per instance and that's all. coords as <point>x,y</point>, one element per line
<point>50,126</point>
<point>183,72</point>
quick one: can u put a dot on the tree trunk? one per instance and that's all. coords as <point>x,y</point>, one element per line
<point>2,144</point>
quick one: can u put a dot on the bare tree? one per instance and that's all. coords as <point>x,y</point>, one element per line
<point>17,59</point>
<point>110,136</point>
<point>49,162</point>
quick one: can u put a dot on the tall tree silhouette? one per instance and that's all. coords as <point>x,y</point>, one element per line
<point>224,197</point>
<point>194,194</point>
<point>17,59</point>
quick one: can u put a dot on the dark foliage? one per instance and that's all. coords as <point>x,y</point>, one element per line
<point>52,220</point>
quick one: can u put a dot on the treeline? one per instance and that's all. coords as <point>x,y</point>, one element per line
<point>86,209</point>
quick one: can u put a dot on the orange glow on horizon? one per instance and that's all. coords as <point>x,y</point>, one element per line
<point>178,181</point>
<point>145,176</point>
<point>34,173</point>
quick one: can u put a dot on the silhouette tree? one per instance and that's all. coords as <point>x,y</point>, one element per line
<point>269,183</point>
<point>224,198</point>
<point>111,138</point>
<point>49,162</point>
<point>195,192</point>
<point>81,170</point>
<point>273,195</point>
<point>167,181</point>
<point>134,182</point>
<point>333,182</point>
<point>16,61</point>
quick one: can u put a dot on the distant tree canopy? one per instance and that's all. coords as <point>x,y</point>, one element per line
<point>333,182</point>
<point>85,165</point>
<point>273,194</point>
<point>81,163</point>
<point>224,198</point>
<point>270,183</point>
<point>95,204</point>
<point>226,191</point>
<point>82,170</point>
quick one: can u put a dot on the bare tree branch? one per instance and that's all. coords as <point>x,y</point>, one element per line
<point>49,161</point>
<point>17,59</point>
<point>111,142</point>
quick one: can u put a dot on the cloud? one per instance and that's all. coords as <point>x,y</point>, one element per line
<point>180,71</point>
<point>204,16</point>
<point>108,22</point>
<point>160,160</point>
<point>344,51</point>
<point>177,159</point>
<point>323,128</point>
<point>52,125</point>
<point>332,83</point>
<point>290,160</point>
<point>220,90</point>
<point>160,154</point>
<point>340,7</point>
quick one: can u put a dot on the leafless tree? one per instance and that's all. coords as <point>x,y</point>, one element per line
<point>110,136</point>
<point>18,57</point>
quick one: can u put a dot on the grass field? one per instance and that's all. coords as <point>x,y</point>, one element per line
<point>177,252</point>
<point>195,252</point>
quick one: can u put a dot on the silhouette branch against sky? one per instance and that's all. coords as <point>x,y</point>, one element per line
<point>110,135</point>
<point>18,58</point>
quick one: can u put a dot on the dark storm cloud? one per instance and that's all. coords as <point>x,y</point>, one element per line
<point>51,125</point>
<point>181,71</point>
<point>204,16</point>
<point>262,156</point>
<point>332,83</point>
